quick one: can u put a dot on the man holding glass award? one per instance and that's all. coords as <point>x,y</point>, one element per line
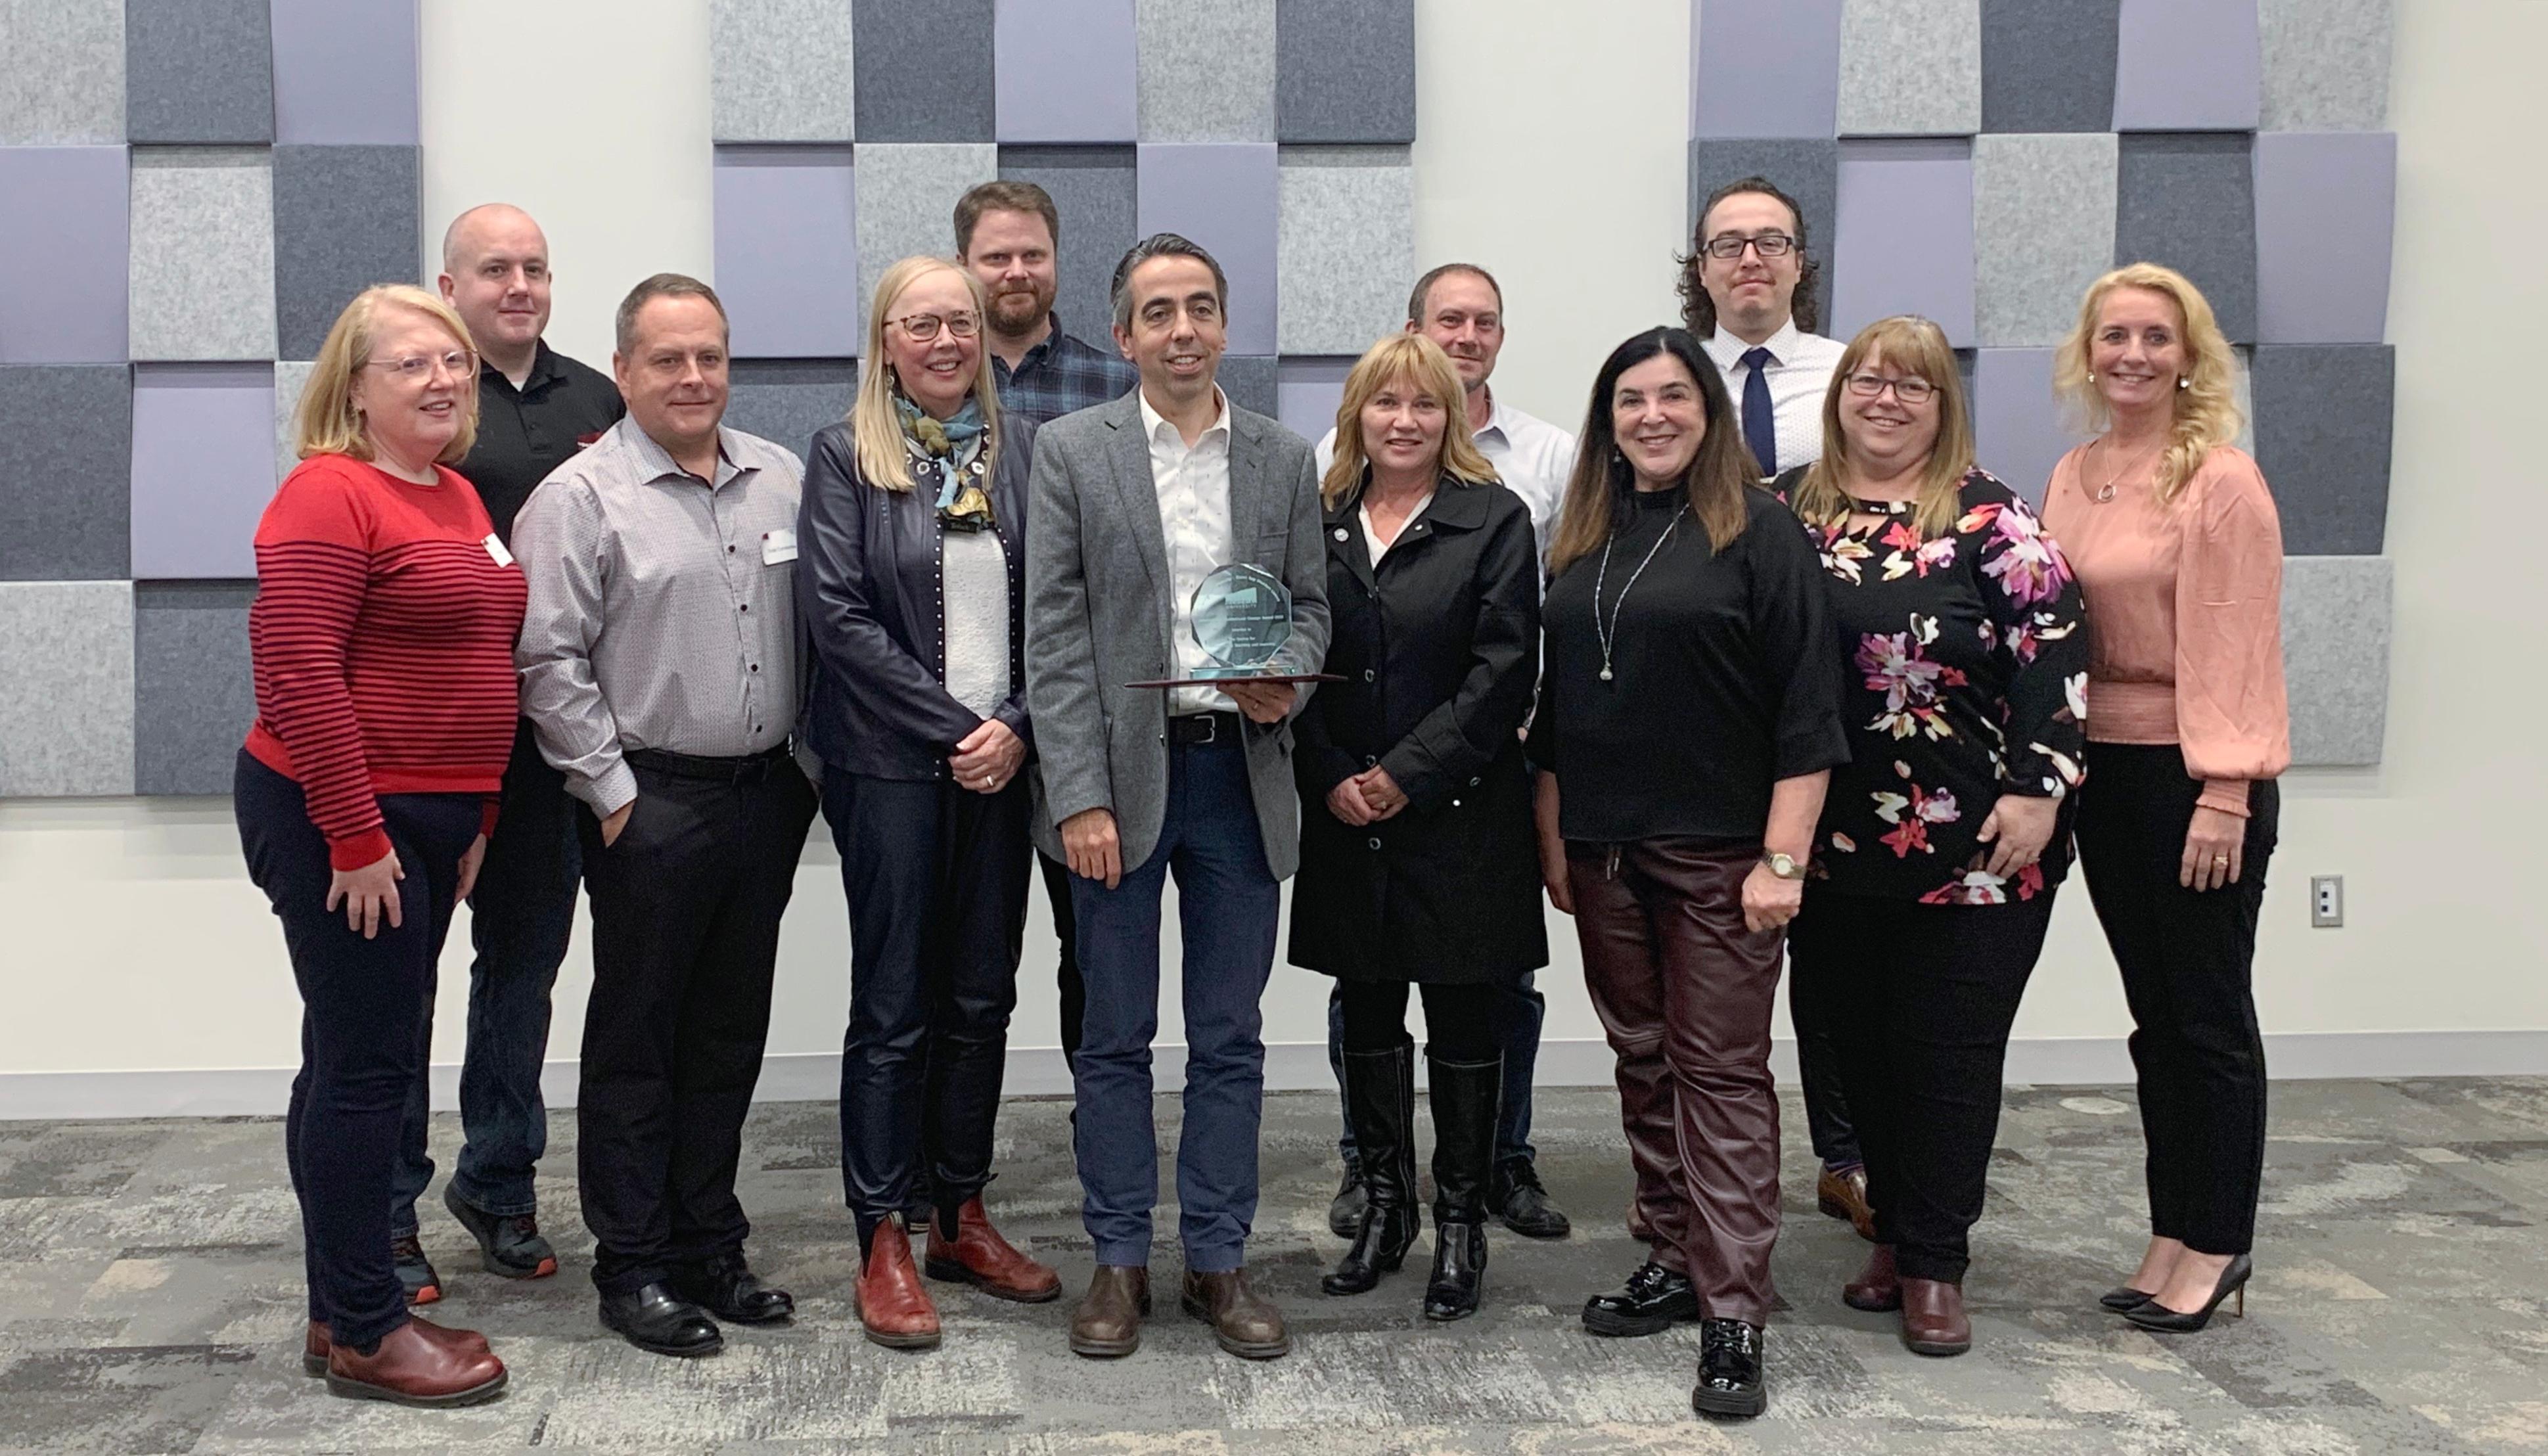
<point>1176,610</point>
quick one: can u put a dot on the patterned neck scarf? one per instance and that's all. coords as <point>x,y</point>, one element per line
<point>948,453</point>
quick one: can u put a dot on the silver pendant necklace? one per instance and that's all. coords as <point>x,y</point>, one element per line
<point>1611,638</point>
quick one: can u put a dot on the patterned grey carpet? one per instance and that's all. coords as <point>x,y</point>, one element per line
<point>149,1301</point>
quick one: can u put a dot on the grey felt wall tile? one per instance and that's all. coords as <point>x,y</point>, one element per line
<point>346,73</point>
<point>1227,198</point>
<point>787,400</point>
<point>2323,439</point>
<point>2325,64</point>
<point>2019,433</point>
<point>786,250</point>
<point>198,70</point>
<point>291,376</point>
<point>2189,201</point>
<point>1903,237</point>
<point>1805,168</point>
<point>906,201</point>
<point>66,471</point>
<point>2187,65</point>
<point>61,72</point>
<point>1911,68</point>
<point>1066,71</point>
<point>1307,392</point>
<point>2049,65</point>
<point>2327,207</point>
<point>66,721</point>
<point>194,694</point>
<point>781,71</point>
<point>923,70</point>
<point>1764,67</point>
<point>1207,69</point>
<point>2043,229</point>
<point>202,273</point>
<point>1097,192</point>
<point>1252,382</point>
<point>1346,248</point>
<point>344,219</point>
<point>1345,71</point>
<point>63,285</point>
<point>2336,627</point>
<point>203,468</point>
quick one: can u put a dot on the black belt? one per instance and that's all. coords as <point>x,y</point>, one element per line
<point>1192,729</point>
<point>749,768</point>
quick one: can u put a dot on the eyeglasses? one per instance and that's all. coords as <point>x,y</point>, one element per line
<point>1908,391</point>
<point>1769,244</point>
<point>920,329</point>
<point>417,366</point>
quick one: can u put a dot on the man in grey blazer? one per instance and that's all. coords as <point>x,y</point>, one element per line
<point>1133,504</point>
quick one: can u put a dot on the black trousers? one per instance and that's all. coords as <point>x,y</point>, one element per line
<point>1065,926</point>
<point>1920,999</point>
<point>1462,1022</point>
<point>1819,1067</point>
<point>2187,959</point>
<point>366,1007</point>
<point>685,911</point>
<point>936,883</point>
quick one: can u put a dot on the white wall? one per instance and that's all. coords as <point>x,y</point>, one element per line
<point>1552,152</point>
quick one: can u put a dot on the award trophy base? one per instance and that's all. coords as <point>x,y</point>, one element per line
<point>1227,680</point>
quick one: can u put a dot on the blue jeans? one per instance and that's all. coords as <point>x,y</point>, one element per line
<point>1524,1009</point>
<point>1227,904</point>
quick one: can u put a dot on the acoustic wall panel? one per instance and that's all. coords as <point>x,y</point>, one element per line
<point>290,377</point>
<point>906,202</point>
<point>344,219</point>
<point>1346,71</point>
<point>63,284</point>
<point>1207,69</point>
<point>1225,198</point>
<point>61,72</point>
<point>1252,382</point>
<point>1097,192</point>
<point>66,471</point>
<point>2043,229</point>
<point>2337,614</point>
<point>66,721</point>
<point>786,250</point>
<point>1805,168</point>
<point>203,468</point>
<point>1345,252</point>
<point>1764,67</point>
<point>2322,414</point>
<point>202,269</point>
<point>2189,201</point>
<point>2326,205</point>
<point>787,400</point>
<point>2049,65</point>
<point>1307,392</point>
<point>2187,65</point>
<point>198,70</point>
<point>345,72</point>
<point>923,70</point>
<point>781,71</point>
<point>194,695</point>
<point>1065,71</point>
<point>2325,64</point>
<point>1911,68</point>
<point>1903,242</point>
<point>2019,433</point>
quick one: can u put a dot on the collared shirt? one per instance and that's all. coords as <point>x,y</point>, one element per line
<point>525,433</point>
<point>1193,485</point>
<point>663,614</point>
<point>1532,457</point>
<point>1799,374</point>
<point>1061,375</point>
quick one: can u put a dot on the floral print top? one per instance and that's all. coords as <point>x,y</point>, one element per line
<point>1967,667</point>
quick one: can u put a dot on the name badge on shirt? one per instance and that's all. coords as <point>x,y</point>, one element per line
<point>496,550</point>
<point>777,547</point>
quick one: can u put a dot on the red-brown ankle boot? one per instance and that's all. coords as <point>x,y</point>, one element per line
<point>315,1344</point>
<point>1877,1287</point>
<point>416,1364</point>
<point>977,1255</point>
<point>893,1305</point>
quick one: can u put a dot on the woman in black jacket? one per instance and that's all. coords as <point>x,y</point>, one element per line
<point>1417,863</point>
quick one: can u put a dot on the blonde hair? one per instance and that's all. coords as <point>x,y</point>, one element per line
<point>1917,349</point>
<point>2206,407</point>
<point>874,428</point>
<point>326,421</point>
<point>1420,362</point>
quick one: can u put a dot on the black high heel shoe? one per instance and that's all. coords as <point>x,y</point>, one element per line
<point>2124,1297</point>
<point>2151,1314</point>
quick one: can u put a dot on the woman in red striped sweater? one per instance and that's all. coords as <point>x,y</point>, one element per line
<point>382,643</point>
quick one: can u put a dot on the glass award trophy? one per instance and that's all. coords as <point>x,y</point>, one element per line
<point>1242,617</point>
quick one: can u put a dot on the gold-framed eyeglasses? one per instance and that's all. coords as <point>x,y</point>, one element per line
<point>920,329</point>
<point>1909,391</point>
<point>460,362</point>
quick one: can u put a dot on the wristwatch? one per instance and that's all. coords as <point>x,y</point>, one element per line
<point>1786,867</point>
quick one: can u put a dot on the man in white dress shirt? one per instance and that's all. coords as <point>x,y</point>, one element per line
<point>1747,290</point>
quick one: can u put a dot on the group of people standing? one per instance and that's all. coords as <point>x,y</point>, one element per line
<point>1760,665</point>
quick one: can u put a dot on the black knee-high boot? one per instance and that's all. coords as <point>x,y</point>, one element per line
<point>1466,1098</point>
<point>1380,1099</point>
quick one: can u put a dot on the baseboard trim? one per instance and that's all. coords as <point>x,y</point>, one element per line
<point>1037,1072</point>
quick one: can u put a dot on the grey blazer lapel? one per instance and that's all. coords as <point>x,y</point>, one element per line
<point>1253,510</point>
<point>1135,495</point>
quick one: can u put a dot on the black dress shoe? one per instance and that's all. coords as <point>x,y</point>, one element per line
<point>1652,1301</point>
<point>1525,1204</point>
<point>507,1243</point>
<point>2153,1314</point>
<point>1344,1211</point>
<point>2122,1296</point>
<point>655,1319</point>
<point>731,1291</point>
<point>1729,1370</point>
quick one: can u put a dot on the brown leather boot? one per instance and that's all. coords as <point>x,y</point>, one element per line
<point>893,1305</point>
<point>1244,1322</point>
<point>1877,1287</point>
<point>315,1344</point>
<point>1933,1318</point>
<point>415,1364</point>
<point>977,1255</point>
<point>1108,1322</point>
<point>1842,1195</point>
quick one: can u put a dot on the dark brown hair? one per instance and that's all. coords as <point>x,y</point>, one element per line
<point>1698,311</point>
<point>1416,300</point>
<point>1003,197</point>
<point>1718,477</point>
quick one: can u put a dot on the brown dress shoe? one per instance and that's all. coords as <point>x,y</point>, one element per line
<point>1877,1287</point>
<point>1108,1322</point>
<point>415,1364</point>
<point>977,1255</point>
<point>1244,1322</point>
<point>315,1344</point>
<point>1933,1318</point>
<point>1842,1195</point>
<point>893,1305</point>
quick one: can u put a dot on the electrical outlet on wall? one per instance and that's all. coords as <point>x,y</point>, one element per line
<point>2326,901</point>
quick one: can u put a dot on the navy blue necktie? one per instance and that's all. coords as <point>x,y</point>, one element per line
<point>1760,423</point>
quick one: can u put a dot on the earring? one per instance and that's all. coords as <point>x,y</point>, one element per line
<point>2092,376</point>
<point>2184,383</point>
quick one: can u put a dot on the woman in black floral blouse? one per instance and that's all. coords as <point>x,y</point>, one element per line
<point>1943,840</point>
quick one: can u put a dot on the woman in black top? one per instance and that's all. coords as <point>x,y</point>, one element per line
<point>1688,722</point>
<point>1417,860</point>
<point>1942,839</point>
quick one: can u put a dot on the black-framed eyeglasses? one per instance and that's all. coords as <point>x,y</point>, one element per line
<point>920,329</point>
<point>1909,391</point>
<point>1769,244</point>
<point>417,366</point>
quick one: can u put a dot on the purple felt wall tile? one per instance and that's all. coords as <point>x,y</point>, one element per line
<point>2018,431</point>
<point>63,285</point>
<point>345,72</point>
<point>2326,204</point>
<point>1903,239</point>
<point>787,251</point>
<point>1764,67</point>
<point>1063,70</point>
<point>1228,197</point>
<point>2188,66</point>
<point>1307,392</point>
<point>203,468</point>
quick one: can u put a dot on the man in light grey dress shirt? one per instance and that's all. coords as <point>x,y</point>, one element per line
<point>659,662</point>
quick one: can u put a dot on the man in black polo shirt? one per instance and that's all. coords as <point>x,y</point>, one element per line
<point>536,407</point>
